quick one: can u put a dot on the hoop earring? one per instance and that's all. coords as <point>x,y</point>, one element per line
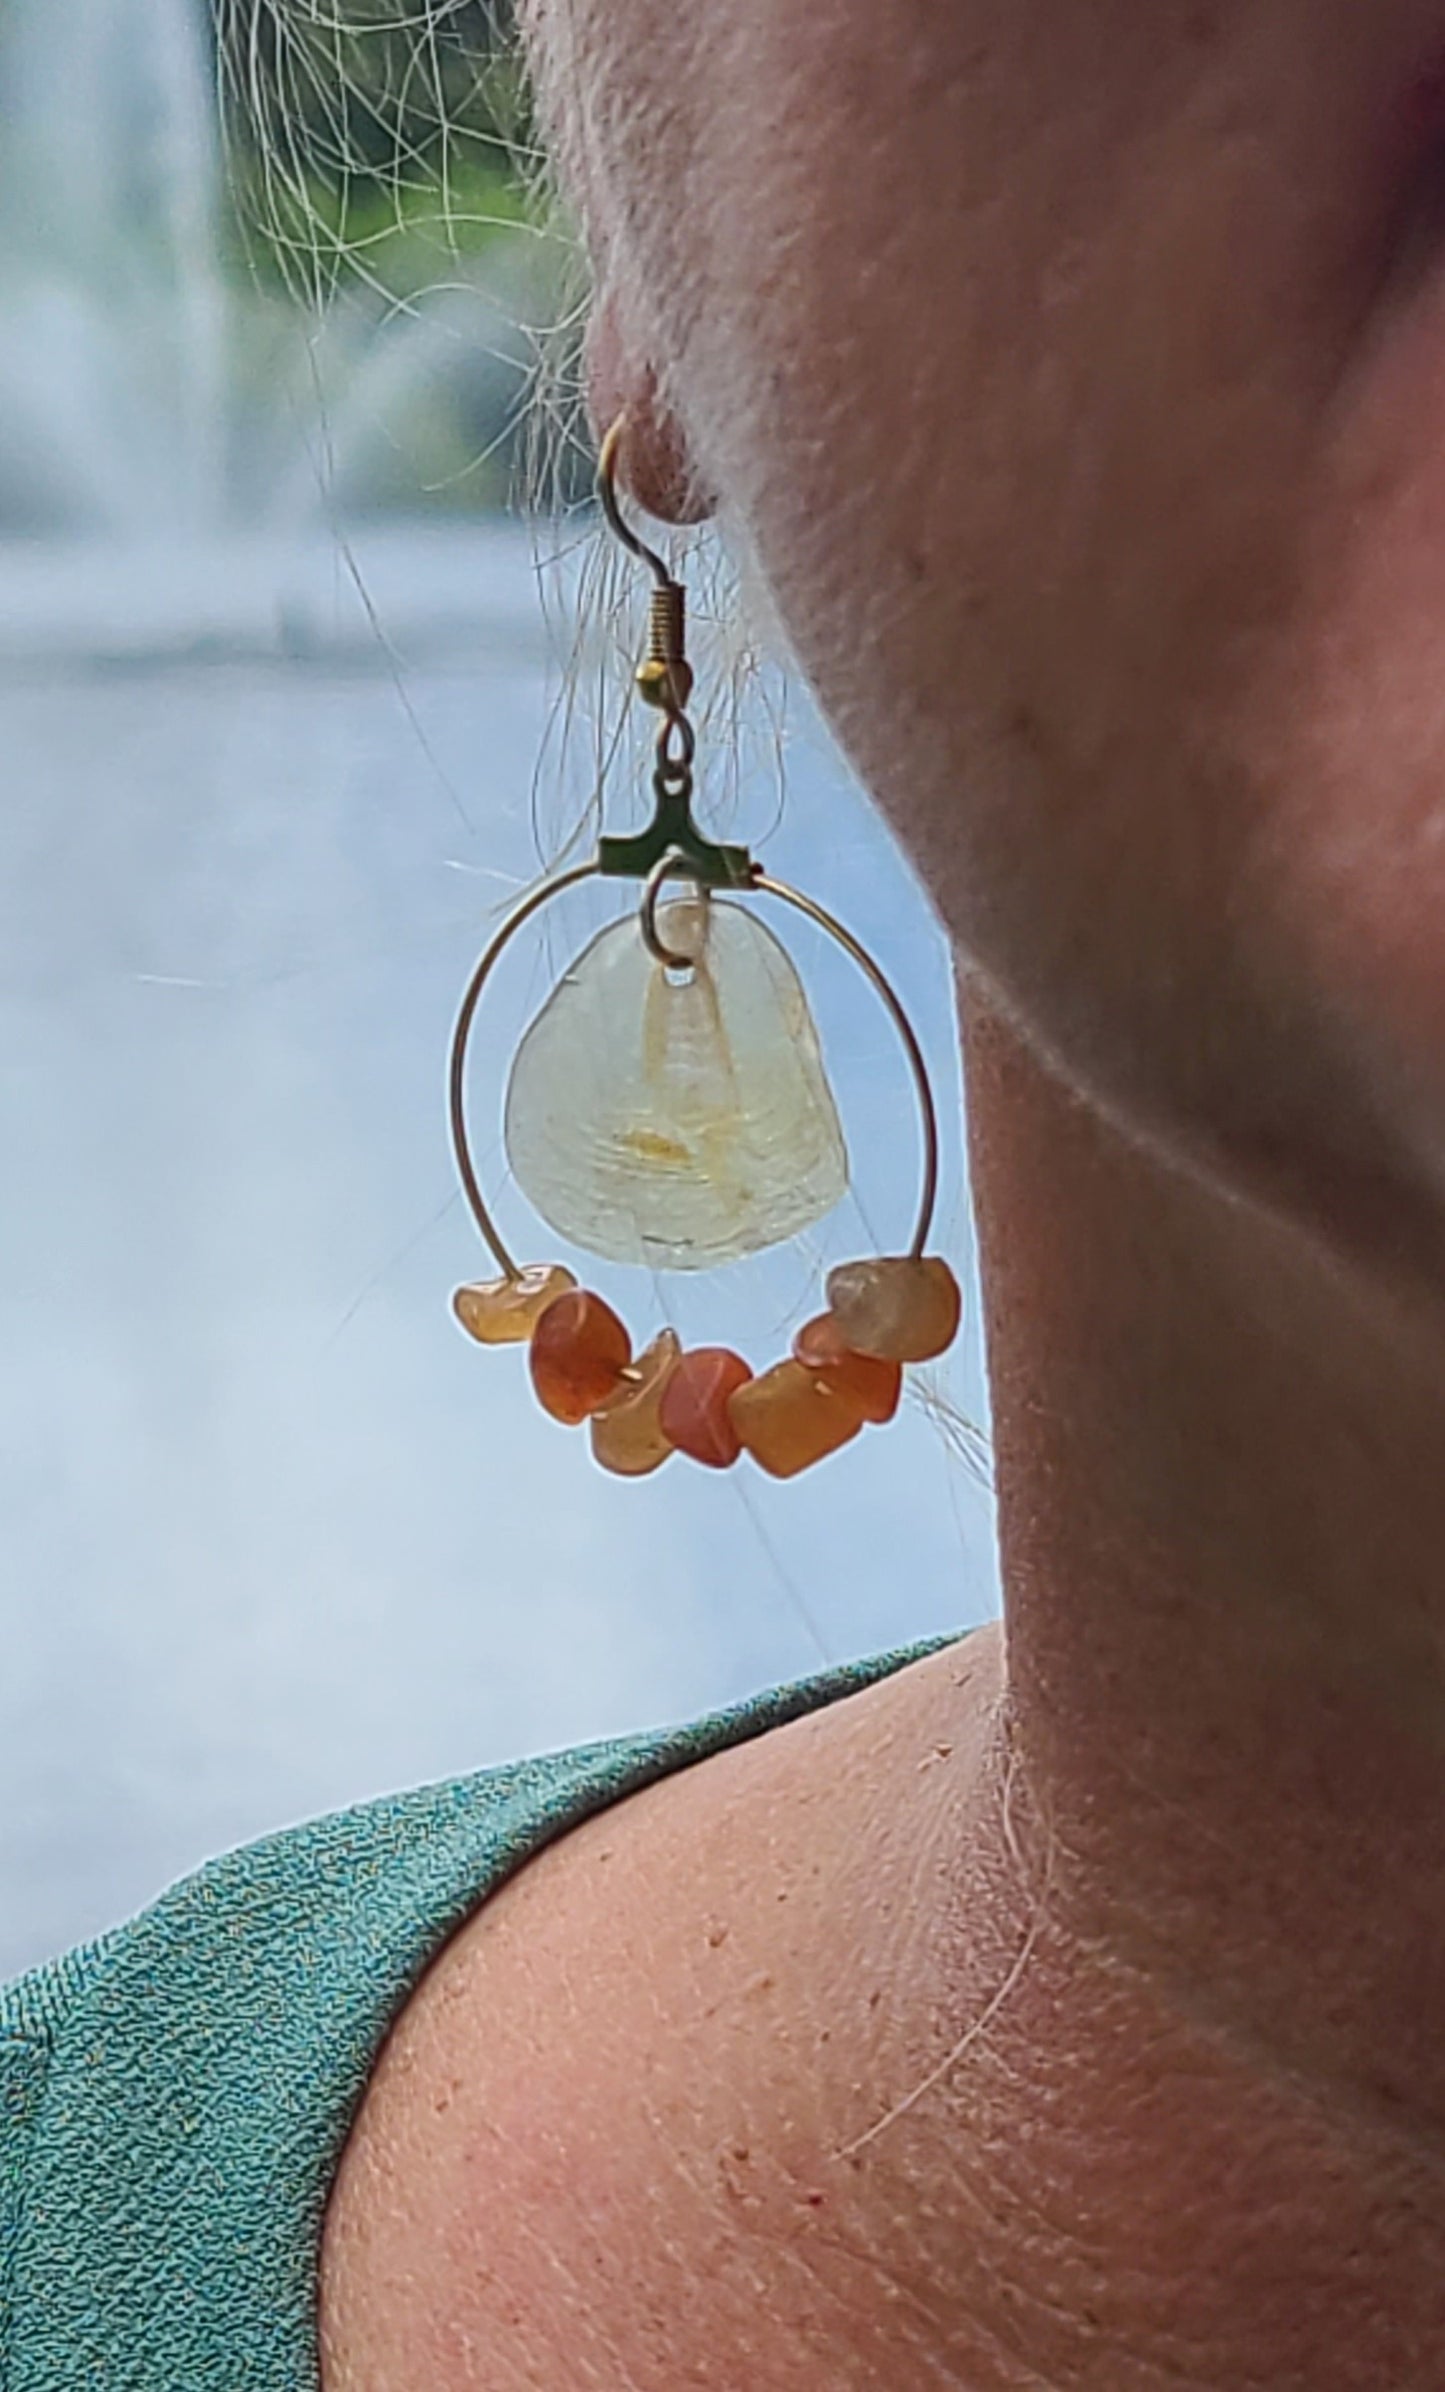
<point>669,1107</point>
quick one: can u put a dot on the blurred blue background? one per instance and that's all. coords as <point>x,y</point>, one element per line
<point>276,678</point>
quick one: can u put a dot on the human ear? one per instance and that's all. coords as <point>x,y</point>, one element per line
<point>654,463</point>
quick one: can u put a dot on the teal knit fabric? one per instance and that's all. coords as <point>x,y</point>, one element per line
<point>174,2097</point>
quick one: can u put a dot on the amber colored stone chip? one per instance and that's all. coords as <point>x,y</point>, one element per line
<point>506,1311</point>
<point>694,1412</point>
<point>895,1307</point>
<point>578,1353</point>
<point>789,1417</point>
<point>875,1387</point>
<point>628,1437</point>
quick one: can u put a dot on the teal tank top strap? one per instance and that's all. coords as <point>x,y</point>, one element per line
<point>175,2097</point>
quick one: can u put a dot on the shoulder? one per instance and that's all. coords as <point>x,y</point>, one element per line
<point>560,2128</point>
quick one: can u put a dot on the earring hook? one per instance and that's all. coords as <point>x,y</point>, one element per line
<point>616,520</point>
<point>664,680</point>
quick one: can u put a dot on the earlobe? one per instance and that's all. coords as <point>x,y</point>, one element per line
<point>654,464</point>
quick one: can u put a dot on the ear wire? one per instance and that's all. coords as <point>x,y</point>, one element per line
<point>664,678</point>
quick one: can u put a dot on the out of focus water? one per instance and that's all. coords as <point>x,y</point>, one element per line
<point>273,1536</point>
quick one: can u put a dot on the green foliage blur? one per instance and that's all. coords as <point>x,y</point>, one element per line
<point>382,167</point>
<point>373,140</point>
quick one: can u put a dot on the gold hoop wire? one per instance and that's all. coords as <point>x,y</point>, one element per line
<point>675,867</point>
<point>867,964</point>
<point>461,1037</point>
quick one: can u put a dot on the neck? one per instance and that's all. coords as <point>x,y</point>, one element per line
<point>1056,2013</point>
<point>1223,1526</point>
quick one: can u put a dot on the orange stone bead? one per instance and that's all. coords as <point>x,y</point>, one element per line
<point>896,1307</point>
<point>627,1434</point>
<point>506,1311</point>
<point>694,1411</point>
<point>579,1351</point>
<point>790,1417</point>
<point>875,1387</point>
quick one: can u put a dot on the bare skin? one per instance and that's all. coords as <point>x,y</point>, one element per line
<point>1077,374</point>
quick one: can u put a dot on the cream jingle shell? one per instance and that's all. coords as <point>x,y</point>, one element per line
<point>677,1119</point>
